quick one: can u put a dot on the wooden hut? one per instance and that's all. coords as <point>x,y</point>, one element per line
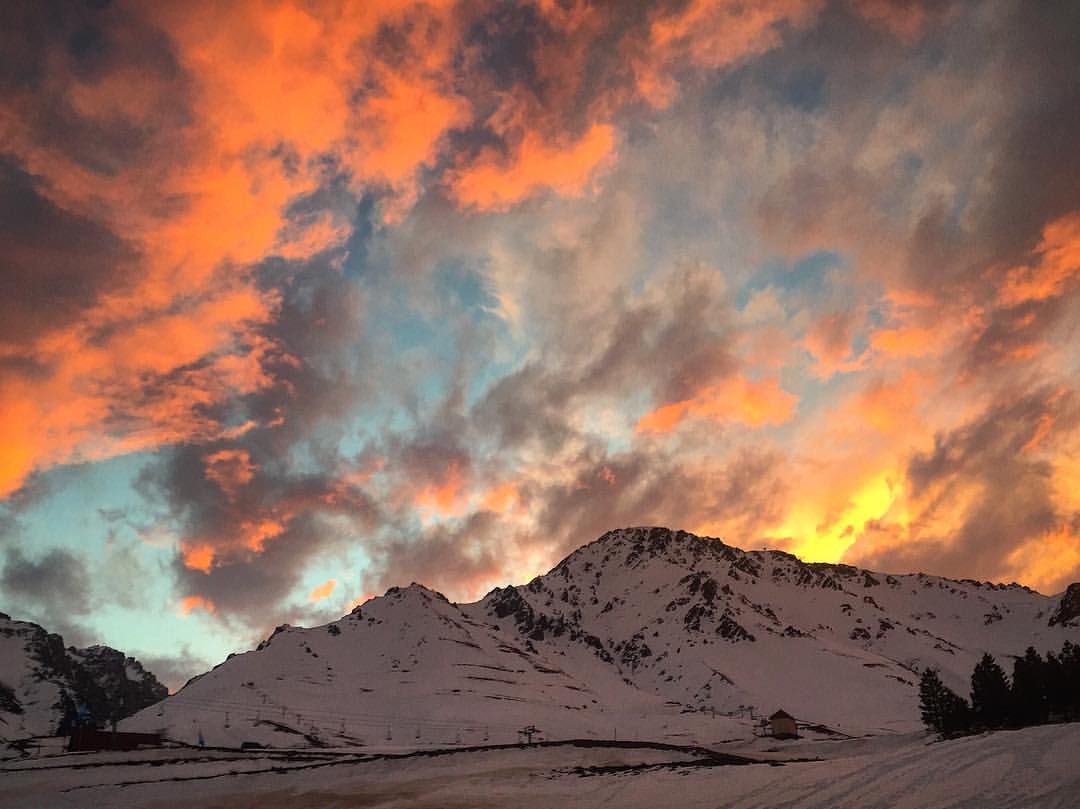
<point>84,739</point>
<point>782,725</point>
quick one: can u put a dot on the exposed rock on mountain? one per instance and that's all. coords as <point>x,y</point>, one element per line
<point>42,682</point>
<point>1068,609</point>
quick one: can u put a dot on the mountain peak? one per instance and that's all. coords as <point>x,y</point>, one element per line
<point>415,588</point>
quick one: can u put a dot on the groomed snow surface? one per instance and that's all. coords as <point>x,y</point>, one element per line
<point>1031,768</point>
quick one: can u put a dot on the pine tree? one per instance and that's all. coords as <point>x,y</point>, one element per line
<point>931,693</point>
<point>1063,682</point>
<point>1029,689</point>
<point>943,710</point>
<point>991,697</point>
<point>1057,687</point>
<point>955,714</point>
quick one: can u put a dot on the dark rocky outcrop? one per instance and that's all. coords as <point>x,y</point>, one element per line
<point>110,684</point>
<point>1068,609</point>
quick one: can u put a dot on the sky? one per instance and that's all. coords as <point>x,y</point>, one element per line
<point>300,300</point>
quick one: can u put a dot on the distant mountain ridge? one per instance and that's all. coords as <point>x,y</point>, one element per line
<point>41,680</point>
<point>643,631</point>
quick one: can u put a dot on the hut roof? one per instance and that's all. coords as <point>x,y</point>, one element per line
<point>781,714</point>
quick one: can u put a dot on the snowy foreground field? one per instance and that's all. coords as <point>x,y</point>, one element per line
<point>1037,767</point>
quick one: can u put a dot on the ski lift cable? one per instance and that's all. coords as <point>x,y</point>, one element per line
<point>219,706</point>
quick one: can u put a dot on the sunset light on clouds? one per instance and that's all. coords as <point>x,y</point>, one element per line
<point>304,299</point>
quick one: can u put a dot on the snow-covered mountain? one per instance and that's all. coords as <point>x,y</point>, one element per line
<point>644,632</point>
<point>40,680</point>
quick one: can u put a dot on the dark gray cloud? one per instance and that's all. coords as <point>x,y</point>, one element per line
<point>53,263</point>
<point>742,495</point>
<point>58,580</point>
<point>49,48</point>
<point>54,590</point>
<point>173,670</point>
<point>447,557</point>
<point>1034,176</point>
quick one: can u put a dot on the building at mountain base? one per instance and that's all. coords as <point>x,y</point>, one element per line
<point>782,726</point>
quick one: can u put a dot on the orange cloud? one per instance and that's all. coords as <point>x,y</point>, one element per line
<point>752,403</point>
<point>710,34</point>
<point>501,498</point>
<point>321,591</point>
<point>494,183</point>
<point>189,603</point>
<point>21,447</point>
<point>230,469</point>
<point>442,497</point>
<point>270,93</point>
<point>254,534</point>
<point>1047,562</point>
<point>1058,265</point>
<point>829,341</point>
<point>198,557</point>
<point>889,406</point>
<point>907,341</point>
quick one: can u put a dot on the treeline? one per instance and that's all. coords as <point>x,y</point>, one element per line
<point>1041,690</point>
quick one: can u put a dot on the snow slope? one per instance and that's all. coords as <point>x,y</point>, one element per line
<point>408,669</point>
<point>1033,768</point>
<point>645,632</point>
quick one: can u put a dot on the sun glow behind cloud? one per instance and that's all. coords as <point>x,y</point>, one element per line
<point>440,291</point>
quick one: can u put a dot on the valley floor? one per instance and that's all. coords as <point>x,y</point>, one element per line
<point>1036,768</point>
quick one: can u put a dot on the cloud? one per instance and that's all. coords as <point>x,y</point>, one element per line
<point>55,589</point>
<point>1057,267</point>
<point>455,287</point>
<point>322,591</point>
<point>984,498</point>
<point>173,670</point>
<point>738,400</point>
<point>491,183</point>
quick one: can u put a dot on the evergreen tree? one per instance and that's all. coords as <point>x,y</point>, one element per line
<point>1063,682</point>
<point>1057,688</point>
<point>943,710</point>
<point>931,697</point>
<point>991,697</point>
<point>955,714</point>
<point>1029,689</point>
